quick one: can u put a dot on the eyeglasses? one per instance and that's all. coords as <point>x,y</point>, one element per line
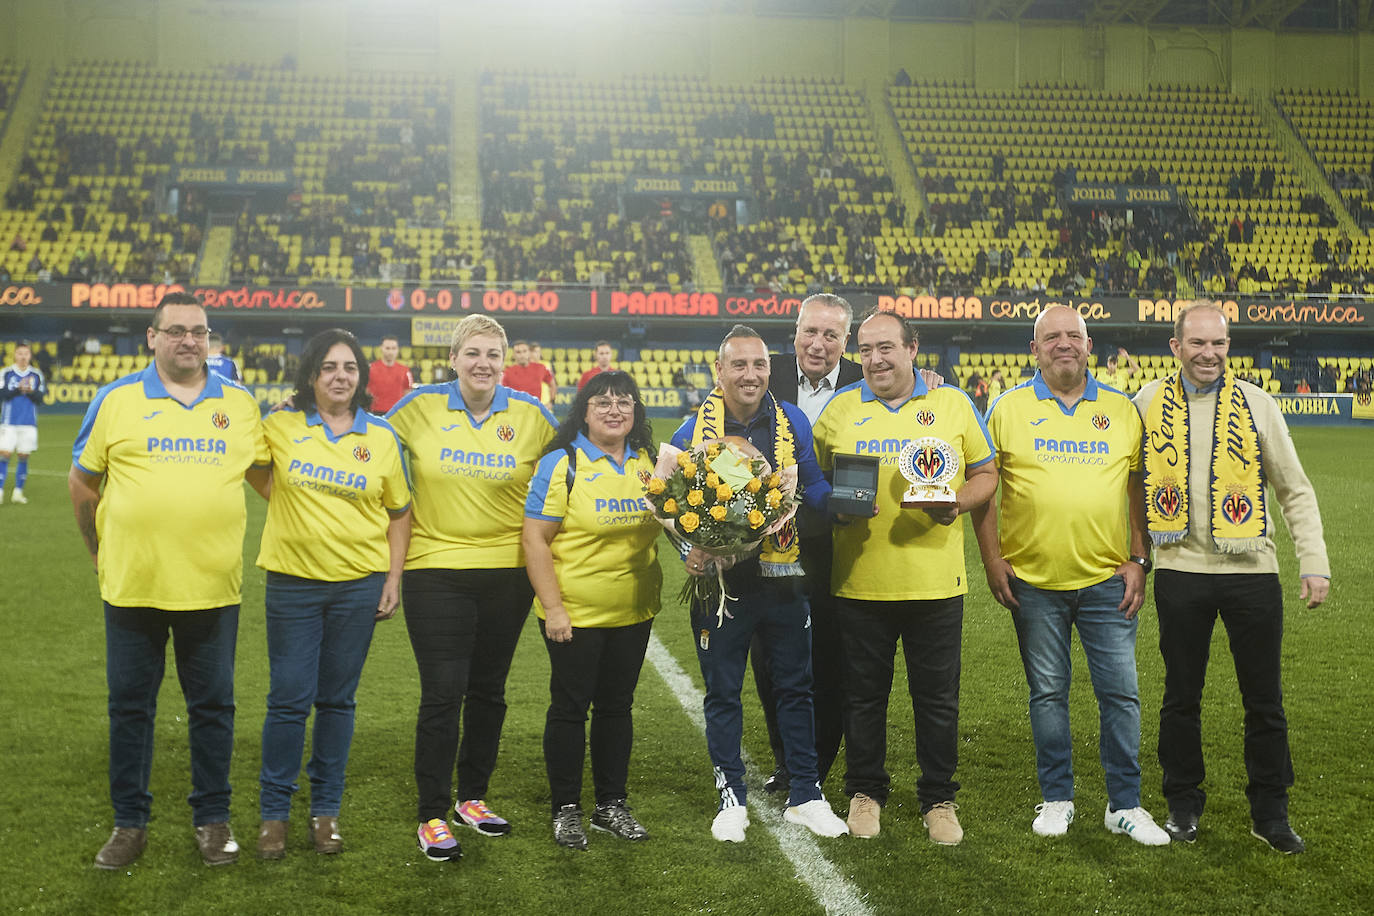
<point>177,332</point>
<point>604,405</point>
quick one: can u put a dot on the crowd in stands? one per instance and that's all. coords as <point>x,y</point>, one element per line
<point>554,209</point>
<point>1357,188</point>
<point>1243,184</point>
<point>361,153</point>
<point>549,216</point>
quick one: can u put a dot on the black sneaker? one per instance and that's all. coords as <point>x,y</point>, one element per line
<point>616,818</point>
<point>567,828</point>
<point>780,781</point>
<point>1279,836</point>
<point>1181,826</point>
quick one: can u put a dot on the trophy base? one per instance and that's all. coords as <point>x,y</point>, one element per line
<point>929,498</point>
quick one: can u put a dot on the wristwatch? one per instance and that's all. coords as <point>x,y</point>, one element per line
<point>1144,562</point>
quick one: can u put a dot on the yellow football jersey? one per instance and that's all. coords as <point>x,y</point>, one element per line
<point>327,518</point>
<point>469,479</point>
<point>899,554</point>
<point>171,516</point>
<point>606,553</point>
<point>1064,514</point>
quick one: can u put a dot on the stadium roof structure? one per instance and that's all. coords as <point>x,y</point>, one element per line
<point>1320,15</point>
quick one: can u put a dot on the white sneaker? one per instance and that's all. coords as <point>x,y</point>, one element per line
<point>728,827</point>
<point>1052,818</point>
<point>17,496</point>
<point>1136,823</point>
<point>817,817</point>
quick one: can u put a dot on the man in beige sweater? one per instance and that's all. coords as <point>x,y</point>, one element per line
<point>1213,529</point>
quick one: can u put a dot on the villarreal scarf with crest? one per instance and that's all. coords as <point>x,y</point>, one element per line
<point>1236,473</point>
<point>780,554</point>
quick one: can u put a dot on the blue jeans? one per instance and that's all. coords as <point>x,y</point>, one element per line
<point>1043,625</point>
<point>777,610</point>
<point>135,660</point>
<point>318,634</point>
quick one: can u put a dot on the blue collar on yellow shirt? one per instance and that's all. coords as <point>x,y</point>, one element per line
<point>581,441</point>
<point>866,394</point>
<point>499,402</point>
<point>1043,392</point>
<point>359,426</point>
<point>153,387</point>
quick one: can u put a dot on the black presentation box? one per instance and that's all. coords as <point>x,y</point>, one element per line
<point>855,485</point>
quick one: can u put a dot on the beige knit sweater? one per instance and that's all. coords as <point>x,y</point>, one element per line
<point>1286,478</point>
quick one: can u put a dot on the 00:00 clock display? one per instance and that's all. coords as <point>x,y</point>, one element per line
<point>510,301</point>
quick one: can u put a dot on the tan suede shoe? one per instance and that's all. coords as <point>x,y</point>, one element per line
<point>272,840</point>
<point>325,832</point>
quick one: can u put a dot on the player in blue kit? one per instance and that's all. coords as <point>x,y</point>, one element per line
<point>22,389</point>
<point>218,362</point>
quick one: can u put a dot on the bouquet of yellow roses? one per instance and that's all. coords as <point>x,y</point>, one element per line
<point>723,497</point>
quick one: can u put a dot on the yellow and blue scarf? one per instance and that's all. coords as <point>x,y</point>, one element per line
<point>1237,489</point>
<point>780,554</point>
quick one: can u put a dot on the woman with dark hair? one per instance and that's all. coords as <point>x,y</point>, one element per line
<point>591,554</point>
<point>334,545</point>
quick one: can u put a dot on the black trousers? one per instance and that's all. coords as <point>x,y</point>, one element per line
<point>827,663</point>
<point>931,633</point>
<point>599,669</point>
<point>1251,609</point>
<point>463,625</point>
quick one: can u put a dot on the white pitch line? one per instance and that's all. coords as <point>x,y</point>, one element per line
<point>830,888</point>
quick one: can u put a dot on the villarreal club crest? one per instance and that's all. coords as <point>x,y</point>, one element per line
<point>929,464</point>
<point>1168,499</point>
<point>1236,506</point>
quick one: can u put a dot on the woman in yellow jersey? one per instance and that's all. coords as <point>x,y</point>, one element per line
<point>338,524</point>
<point>472,445</point>
<point>590,549</point>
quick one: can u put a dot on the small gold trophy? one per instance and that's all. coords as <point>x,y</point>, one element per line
<point>930,464</point>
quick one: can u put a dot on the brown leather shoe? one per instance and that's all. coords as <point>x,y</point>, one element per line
<point>272,840</point>
<point>325,832</point>
<point>217,844</point>
<point>123,846</point>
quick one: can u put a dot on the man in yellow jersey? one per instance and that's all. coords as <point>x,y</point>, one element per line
<point>1070,551</point>
<point>900,574</point>
<point>1115,374</point>
<point>171,444</point>
<point>1208,512</point>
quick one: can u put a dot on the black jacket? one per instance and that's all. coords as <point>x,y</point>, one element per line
<point>782,381</point>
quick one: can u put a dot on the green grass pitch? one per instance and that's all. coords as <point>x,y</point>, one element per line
<point>55,813</point>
